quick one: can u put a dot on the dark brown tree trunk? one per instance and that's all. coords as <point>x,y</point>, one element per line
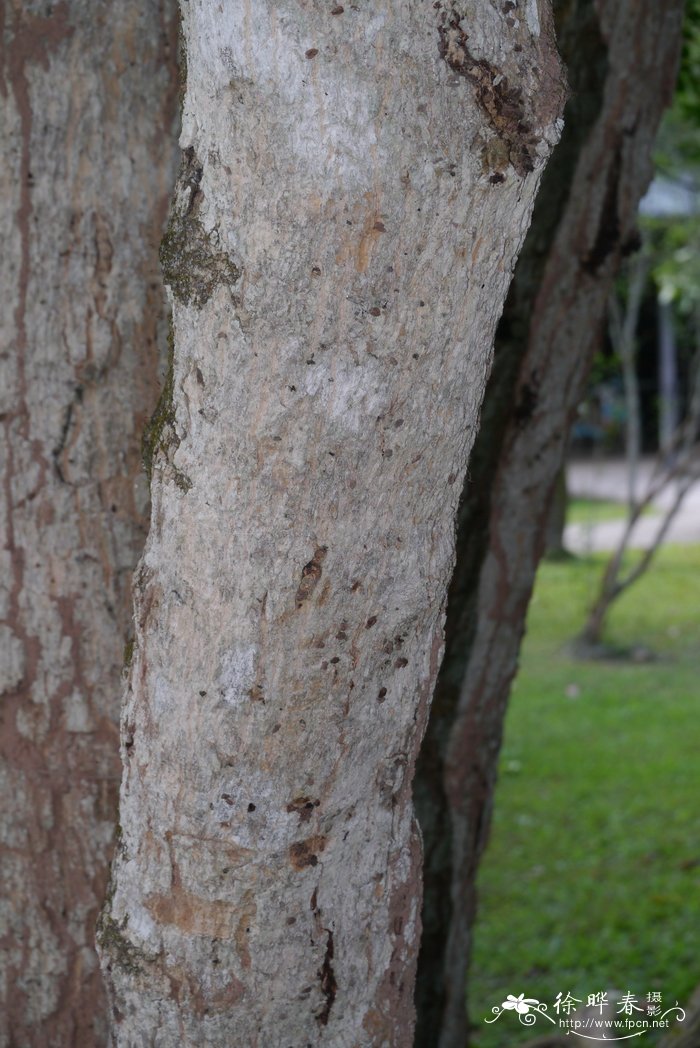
<point>622,57</point>
<point>556,520</point>
<point>88,102</point>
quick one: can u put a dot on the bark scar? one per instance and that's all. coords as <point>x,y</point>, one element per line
<point>310,575</point>
<point>502,104</point>
<point>329,986</point>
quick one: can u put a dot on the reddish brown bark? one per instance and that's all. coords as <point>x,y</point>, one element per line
<point>622,57</point>
<point>88,106</point>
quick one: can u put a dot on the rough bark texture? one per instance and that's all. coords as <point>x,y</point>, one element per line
<point>88,102</point>
<point>622,57</point>
<point>356,182</point>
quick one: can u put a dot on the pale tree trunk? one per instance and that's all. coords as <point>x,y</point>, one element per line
<point>356,182</point>
<point>622,57</point>
<point>88,101</point>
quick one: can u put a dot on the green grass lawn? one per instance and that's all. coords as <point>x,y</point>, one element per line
<point>595,511</point>
<point>592,877</point>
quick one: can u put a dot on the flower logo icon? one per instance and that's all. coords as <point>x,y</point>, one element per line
<point>521,1004</point>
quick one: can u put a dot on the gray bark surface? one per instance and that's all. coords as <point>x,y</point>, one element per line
<point>356,182</point>
<point>622,58</point>
<point>87,102</point>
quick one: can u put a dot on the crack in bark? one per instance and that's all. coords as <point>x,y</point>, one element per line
<point>329,986</point>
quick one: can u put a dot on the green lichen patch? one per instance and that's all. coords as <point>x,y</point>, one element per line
<point>120,950</point>
<point>128,652</point>
<point>160,434</point>
<point>181,480</point>
<point>193,266</point>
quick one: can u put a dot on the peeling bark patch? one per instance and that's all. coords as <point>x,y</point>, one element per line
<point>503,105</point>
<point>192,914</point>
<point>310,575</point>
<point>329,986</point>
<point>303,853</point>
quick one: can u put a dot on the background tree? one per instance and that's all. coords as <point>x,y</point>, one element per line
<point>355,186</point>
<point>622,59</point>
<point>88,100</point>
<point>671,256</point>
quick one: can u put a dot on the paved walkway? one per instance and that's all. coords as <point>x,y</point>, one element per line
<point>608,480</point>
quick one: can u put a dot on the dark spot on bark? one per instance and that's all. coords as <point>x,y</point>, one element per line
<point>370,622</point>
<point>304,853</point>
<point>338,9</point>
<point>496,178</point>
<point>312,52</point>
<point>400,663</point>
<point>382,695</point>
<point>199,376</point>
<point>256,694</point>
<point>303,807</point>
<point>202,693</point>
<point>251,806</point>
<point>355,587</point>
<point>310,575</point>
<point>329,986</point>
<point>375,311</point>
<point>228,799</point>
<point>527,400</point>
